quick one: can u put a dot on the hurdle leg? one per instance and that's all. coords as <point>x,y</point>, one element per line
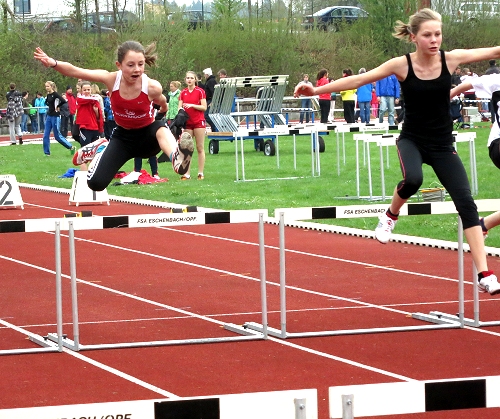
<point>294,153</point>
<point>263,279</point>
<point>282,276</point>
<point>242,158</point>
<point>237,158</point>
<point>74,293</point>
<point>58,286</point>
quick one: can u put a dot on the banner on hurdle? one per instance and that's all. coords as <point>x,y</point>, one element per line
<point>375,210</point>
<point>82,194</point>
<point>131,221</point>
<point>10,195</point>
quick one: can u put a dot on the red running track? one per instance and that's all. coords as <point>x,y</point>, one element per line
<point>180,283</point>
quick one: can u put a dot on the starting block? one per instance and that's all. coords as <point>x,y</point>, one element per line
<point>10,195</point>
<point>82,194</point>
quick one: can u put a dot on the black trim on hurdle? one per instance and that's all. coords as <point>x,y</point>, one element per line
<point>324,212</point>
<point>115,222</point>
<point>17,226</point>
<point>188,409</point>
<point>420,209</point>
<point>217,217</point>
<point>452,395</point>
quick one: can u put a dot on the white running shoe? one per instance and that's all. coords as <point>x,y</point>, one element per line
<point>87,153</point>
<point>384,228</point>
<point>489,284</point>
<point>181,158</point>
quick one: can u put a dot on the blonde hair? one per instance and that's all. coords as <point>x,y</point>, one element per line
<point>176,83</point>
<point>52,85</point>
<point>405,30</point>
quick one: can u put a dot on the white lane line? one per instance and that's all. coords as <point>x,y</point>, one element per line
<point>121,374</point>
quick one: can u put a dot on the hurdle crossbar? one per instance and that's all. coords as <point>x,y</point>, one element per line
<point>439,320</point>
<point>129,221</point>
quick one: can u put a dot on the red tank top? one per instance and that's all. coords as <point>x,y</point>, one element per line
<point>132,113</point>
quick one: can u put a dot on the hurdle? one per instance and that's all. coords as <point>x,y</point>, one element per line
<point>438,320</point>
<point>45,344</point>
<point>176,219</point>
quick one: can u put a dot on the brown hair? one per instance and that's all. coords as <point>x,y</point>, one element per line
<point>404,30</point>
<point>322,73</point>
<point>149,52</point>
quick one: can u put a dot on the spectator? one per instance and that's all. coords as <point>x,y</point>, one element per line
<point>54,100</point>
<point>210,83</point>
<point>348,99</point>
<point>173,101</point>
<point>193,101</point>
<point>89,116</point>
<point>64,119</point>
<point>26,113</point>
<point>14,113</point>
<point>492,69</point>
<point>41,108</point>
<point>153,163</point>
<point>469,95</point>
<point>72,107</point>
<point>364,98</point>
<point>455,77</point>
<point>109,118</point>
<point>324,98</point>
<point>387,91</point>
<point>222,73</point>
<point>305,102</point>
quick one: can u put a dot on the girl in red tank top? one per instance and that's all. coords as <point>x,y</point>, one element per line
<point>138,133</point>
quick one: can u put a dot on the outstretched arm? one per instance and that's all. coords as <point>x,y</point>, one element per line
<point>462,87</point>
<point>68,69</point>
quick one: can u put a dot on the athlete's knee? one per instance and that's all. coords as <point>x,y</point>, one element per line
<point>96,184</point>
<point>409,186</point>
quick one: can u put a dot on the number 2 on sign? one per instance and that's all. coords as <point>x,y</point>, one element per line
<point>6,194</point>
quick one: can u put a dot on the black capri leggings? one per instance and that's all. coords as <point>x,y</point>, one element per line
<point>124,145</point>
<point>449,170</point>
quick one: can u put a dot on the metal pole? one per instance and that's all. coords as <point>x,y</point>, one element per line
<point>263,292</point>
<point>460,272</point>
<point>74,293</point>
<point>476,295</point>
<point>282,275</point>
<point>58,285</point>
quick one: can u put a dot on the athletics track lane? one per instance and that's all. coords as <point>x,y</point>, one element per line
<point>228,291</point>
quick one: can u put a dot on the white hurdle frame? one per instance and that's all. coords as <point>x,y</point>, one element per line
<point>439,320</point>
<point>141,220</point>
<point>53,345</point>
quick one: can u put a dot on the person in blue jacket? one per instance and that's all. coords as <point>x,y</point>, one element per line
<point>364,98</point>
<point>387,91</point>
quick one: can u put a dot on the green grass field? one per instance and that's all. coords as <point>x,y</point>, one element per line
<point>278,187</point>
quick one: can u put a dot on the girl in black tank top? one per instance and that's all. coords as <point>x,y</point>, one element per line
<point>426,136</point>
<point>427,105</point>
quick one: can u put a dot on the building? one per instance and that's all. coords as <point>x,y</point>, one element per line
<point>30,9</point>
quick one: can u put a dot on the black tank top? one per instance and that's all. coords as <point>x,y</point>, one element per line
<point>427,106</point>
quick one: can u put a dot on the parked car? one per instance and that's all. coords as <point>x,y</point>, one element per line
<point>331,18</point>
<point>107,19</point>
<point>193,18</point>
<point>478,10</point>
<point>67,24</point>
